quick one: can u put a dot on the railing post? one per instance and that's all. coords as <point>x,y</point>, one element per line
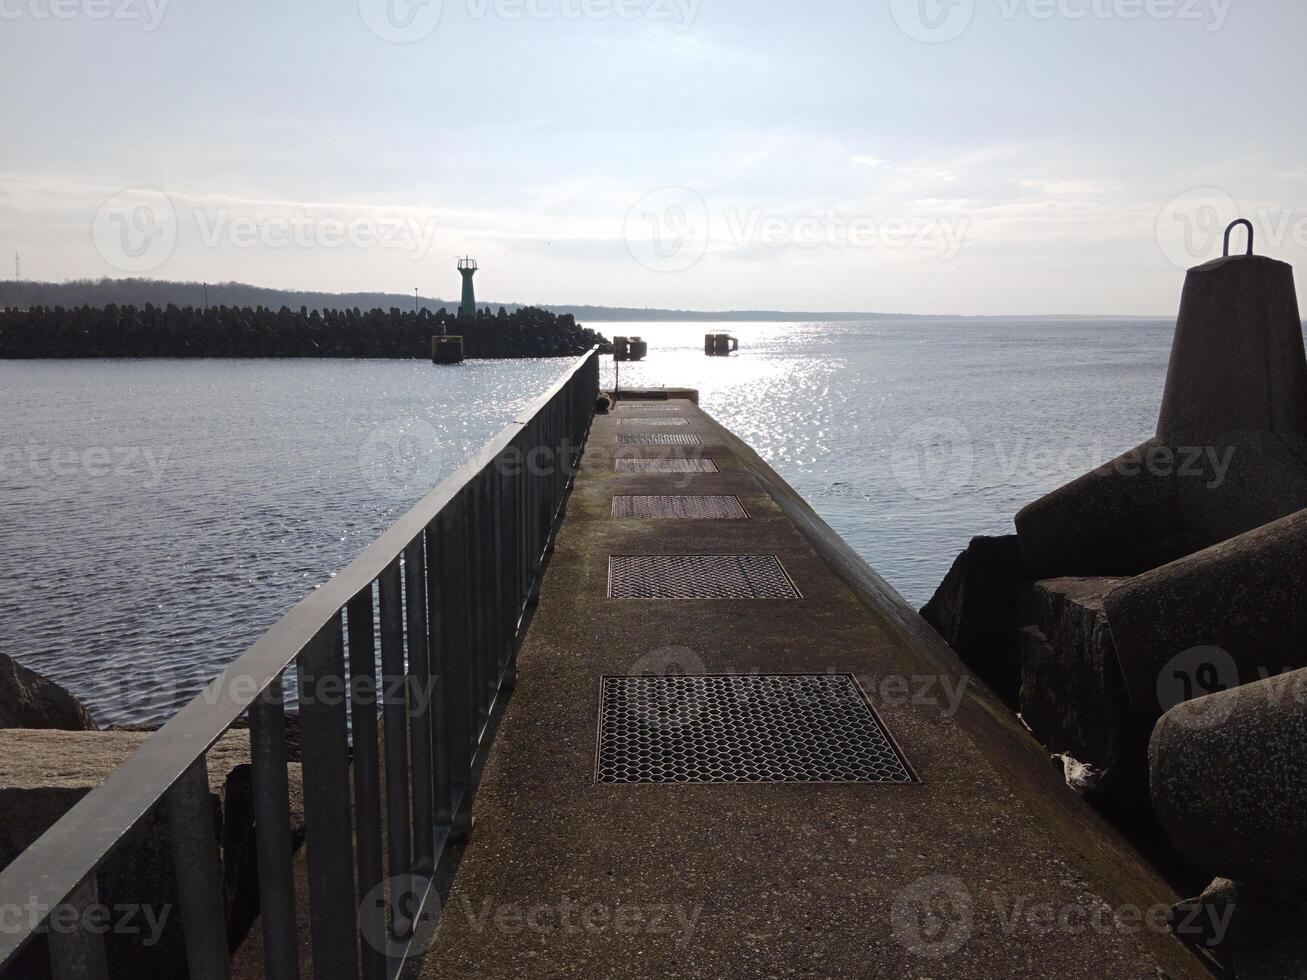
<point>455,662</point>
<point>419,705</point>
<point>78,954</point>
<point>394,681</point>
<point>436,558</point>
<point>333,909</point>
<point>476,520</point>
<point>199,880</point>
<point>367,782</point>
<point>272,833</point>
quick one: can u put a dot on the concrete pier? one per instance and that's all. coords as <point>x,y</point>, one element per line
<point>981,865</point>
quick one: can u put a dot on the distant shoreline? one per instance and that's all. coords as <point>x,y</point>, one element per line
<point>161,292</point>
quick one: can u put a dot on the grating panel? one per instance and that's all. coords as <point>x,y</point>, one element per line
<point>698,577</point>
<point>684,507</point>
<point>666,466</point>
<point>657,439</point>
<point>647,407</point>
<point>815,728</point>
<point>664,421</point>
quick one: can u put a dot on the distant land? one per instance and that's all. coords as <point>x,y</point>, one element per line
<point>161,292</point>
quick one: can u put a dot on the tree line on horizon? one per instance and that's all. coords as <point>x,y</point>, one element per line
<point>231,331</point>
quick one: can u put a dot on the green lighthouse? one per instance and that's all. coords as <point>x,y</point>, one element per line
<point>467,269</point>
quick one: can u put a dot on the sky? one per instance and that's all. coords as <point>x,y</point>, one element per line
<point>900,156</point>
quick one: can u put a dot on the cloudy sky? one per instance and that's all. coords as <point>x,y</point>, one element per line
<point>922,156</point>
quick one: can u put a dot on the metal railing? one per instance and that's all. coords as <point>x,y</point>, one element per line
<point>442,596</point>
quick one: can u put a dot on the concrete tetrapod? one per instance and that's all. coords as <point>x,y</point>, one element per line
<point>1228,778</point>
<point>1230,453</point>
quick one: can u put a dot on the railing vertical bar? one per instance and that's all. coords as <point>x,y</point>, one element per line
<point>487,651</point>
<point>78,954</point>
<point>476,602</point>
<point>437,549</point>
<point>394,711</point>
<point>272,832</point>
<point>455,665</point>
<point>519,538</point>
<point>324,720</point>
<point>419,704</point>
<point>199,878</point>
<point>367,781</point>
<point>503,603</point>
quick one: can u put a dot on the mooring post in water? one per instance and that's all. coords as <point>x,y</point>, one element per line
<point>447,349</point>
<point>720,344</point>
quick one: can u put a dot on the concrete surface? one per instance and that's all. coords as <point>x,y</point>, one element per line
<point>989,867</point>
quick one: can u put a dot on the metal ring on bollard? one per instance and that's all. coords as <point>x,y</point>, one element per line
<point>1230,231</point>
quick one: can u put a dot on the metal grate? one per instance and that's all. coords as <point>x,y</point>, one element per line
<point>698,577</point>
<point>657,439</point>
<point>662,421</point>
<point>816,728</point>
<point>666,466</point>
<point>684,507</point>
<point>647,407</point>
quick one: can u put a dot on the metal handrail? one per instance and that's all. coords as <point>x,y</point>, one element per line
<point>454,577</point>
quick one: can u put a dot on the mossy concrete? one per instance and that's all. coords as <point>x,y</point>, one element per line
<point>989,867</point>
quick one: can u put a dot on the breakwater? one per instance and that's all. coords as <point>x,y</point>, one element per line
<point>230,331</point>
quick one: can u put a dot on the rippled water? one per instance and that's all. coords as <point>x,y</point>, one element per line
<point>159,515</point>
<point>911,437</point>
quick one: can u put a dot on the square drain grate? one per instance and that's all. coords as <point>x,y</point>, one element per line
<point>665,466</point>
<point>667,421</point>
<point>816,728</point>
<point>698,577</point>
<point>657,439</point>
<point>683,507</point>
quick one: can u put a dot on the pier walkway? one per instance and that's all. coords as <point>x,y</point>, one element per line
<point>972,860</point>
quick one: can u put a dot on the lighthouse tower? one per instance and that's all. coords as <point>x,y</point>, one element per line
<point>467,269</point>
